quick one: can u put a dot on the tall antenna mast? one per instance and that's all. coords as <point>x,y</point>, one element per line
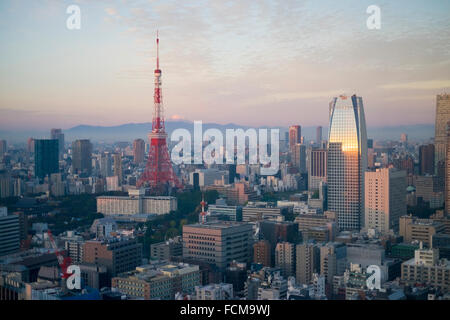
<point>157,49</point>
<point>159,173</point>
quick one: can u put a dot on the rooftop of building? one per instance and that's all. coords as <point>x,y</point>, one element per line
<point>111,240</point>
<point>217,225</point>
<point>158,271</point>
<point>31,256</point>
<point>443,263</point>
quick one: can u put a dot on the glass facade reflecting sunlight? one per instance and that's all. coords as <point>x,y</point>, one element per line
<point>347,161</point>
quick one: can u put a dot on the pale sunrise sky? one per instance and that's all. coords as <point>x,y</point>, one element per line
<point>268,62</point>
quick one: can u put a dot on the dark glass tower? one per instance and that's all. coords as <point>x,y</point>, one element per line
<point>46,154</point>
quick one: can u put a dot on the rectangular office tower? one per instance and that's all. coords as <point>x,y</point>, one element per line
<point>9,232</point>
<point>317,168</point>
<point>82,157</point>
<point>46,155</point>
<point>138,151</point>
<point>385,199</point>
<point>440,127</point>
<point>347,161</point>
<point>218,243</point>
<point>58,135</point>
<point>295,134</point>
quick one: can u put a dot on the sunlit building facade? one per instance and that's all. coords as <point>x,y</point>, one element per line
<point>440,127</point>
<point>347,161</point>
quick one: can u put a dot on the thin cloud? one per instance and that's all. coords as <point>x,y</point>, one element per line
<point>419,85</point>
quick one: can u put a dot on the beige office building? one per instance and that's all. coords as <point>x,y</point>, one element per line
<point>136,203</point>
<point>415,229</point>
<point>307,262</point>
<point>285,258</point>
<point>427,268</point>
<point>218,243</point>
<point>163,282</point>
<point>385,199</point>
<point>440,135</point>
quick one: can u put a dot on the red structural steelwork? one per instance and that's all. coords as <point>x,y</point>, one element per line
<point>158,172</point>
<point>64,262</point>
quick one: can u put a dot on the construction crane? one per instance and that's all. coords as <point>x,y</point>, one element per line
<point>64,262</point>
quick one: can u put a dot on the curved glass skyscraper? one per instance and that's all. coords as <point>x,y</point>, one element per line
<point>347,161</point>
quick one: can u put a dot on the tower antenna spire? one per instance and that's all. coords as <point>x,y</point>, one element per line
<point>157,49</point>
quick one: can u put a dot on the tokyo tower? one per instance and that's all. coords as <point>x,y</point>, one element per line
<point>158,175</point>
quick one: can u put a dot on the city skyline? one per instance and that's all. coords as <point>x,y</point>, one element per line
<point>297,150</point>
<point>230,76</point>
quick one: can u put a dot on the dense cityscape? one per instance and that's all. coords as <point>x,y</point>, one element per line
<point>345,217</point>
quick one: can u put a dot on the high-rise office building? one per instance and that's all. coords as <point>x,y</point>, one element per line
<point>82,157</point>
<point>6,184</point>
<point>261,253</point>
<point>3,147</point>
<point>279,231</point>
<point>319,135</point>
<point>46,157</point>
<point>295,134</point>
<point>218,243</point>
<point>317,168</point>
<point>299,157</point>
<point>347,161</point>
<point>30,145</point>
<point>138,151</point>
<point>105,165</point>
<point>333,260</point>
<point>58,135</point>
<point>404,138</point>
<point>118,167</point>
<point>426,159</point>
<point>9,232</point>
<point>285,258</point>
<point>385,199</point>
<point>440,127</point>
<point>118,255</point>
<point>307,262</point>
<point>447,172</point>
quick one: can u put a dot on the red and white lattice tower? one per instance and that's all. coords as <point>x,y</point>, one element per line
<point>203,213</point>
<point>158,174</point>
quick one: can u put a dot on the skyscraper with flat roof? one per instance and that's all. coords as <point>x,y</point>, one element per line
<point>447,172</point>
<point>218,243</point>
<point>3,147</point>
<point>319,135</point>
<point>317,168</point>
<point>385,199</point>
<point>347,161</point>
<point>440,127</point>
<point>426,159</point>
<point>46,157</point>
<point>58,135</point>
<point>9,232</point>
<point>81,156</point>
<point>295,135</point>
<point>118,167</point>
<point>138,151</point>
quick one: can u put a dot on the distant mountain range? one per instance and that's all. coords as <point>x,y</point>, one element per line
<point>131,131</point>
